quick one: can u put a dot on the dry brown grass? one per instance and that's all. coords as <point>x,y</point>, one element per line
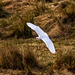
<point>2,12</point>
<point>12,58</point>
<point>39,8</point>
<point>41,13</point>
<point>56,31</point>
<point>20,53</point>
<point>65,60</point>
<point>67,11</point>
<point>31,48</point>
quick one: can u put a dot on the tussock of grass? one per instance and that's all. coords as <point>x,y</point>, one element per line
<point>65,60</point>
<point>66,19</point>
<point>22,30</point>
<point>1,5</point>
<point>67,10</point>
<point>12,58</point>
<point>2,12</point>
<point>3,23</point>
<point>40,8</point>
<point>30,59</point>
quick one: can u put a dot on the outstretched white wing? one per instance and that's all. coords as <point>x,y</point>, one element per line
<point>37,29</point>
<point>49,44</point>
<point>43,36</point>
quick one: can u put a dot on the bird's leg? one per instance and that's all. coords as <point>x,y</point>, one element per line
<point>38,38</point>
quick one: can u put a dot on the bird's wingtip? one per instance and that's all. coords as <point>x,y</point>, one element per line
<point>54,52</point>
<point>27,23</point>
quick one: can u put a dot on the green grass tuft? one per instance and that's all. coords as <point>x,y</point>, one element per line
<point>22,30</point>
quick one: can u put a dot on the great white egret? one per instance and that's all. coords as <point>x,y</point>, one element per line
<point>43,36</point>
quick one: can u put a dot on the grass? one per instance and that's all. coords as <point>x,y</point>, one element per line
<point>30,59</point>
<point>31,54</point>
<point>1,5</point>
<point>49,1</point>
<point>0,34</point>
<point>40,8</point>
<point>66,60</point>
<point>3,23</point>
<point>28,55</point>
<point>2,12</point>
<point>12,58</point>
<point>66,19</point>
<point>67,9</point>
<point>22,30</point>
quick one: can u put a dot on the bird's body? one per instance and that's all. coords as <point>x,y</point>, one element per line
<point>43,36</point>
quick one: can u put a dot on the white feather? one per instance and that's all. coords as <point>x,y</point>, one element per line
<point>43,36</point>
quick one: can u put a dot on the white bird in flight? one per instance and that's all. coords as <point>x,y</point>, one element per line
<point>43,36</point>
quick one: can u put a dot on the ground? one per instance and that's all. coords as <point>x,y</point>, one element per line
<point>47,18</point>
<point>42,54</point>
